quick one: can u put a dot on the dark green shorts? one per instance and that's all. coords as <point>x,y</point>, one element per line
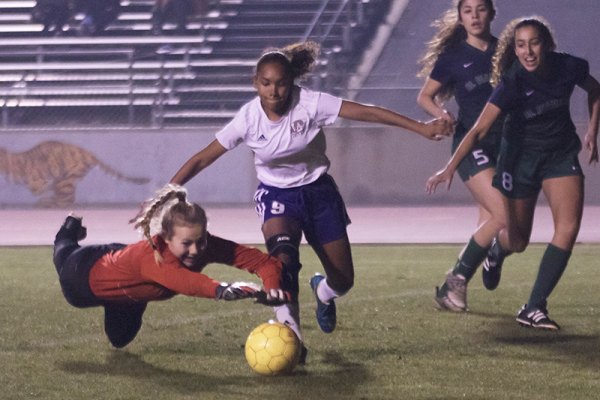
<point>520,172</point>
<point>480,158</point>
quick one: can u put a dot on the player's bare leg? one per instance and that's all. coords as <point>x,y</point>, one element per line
<point>336,257</point>
<point>452,294</point>
<point>282,236</point>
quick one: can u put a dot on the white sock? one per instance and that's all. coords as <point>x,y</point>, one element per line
<point>289,314</point>
<point>325,292</point>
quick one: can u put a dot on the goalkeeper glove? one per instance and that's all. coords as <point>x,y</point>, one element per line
<point>236,291</point>
<point>274,297</point>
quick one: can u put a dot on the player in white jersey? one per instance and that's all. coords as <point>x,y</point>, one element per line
<point>297,134</point>
<point>283,127</point>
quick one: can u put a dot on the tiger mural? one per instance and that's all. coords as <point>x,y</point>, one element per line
<point>52,169</point>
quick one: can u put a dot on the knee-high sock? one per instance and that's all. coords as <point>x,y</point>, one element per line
<point>470,258</point>
<point>553,264</point>
<point>325,292</point>
<point>289,314</point>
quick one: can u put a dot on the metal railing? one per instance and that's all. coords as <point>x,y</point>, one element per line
<point>26,60</point>
<point>319,30</point>
<point>344,15</point>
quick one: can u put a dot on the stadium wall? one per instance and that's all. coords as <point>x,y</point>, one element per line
<point>373,166</point>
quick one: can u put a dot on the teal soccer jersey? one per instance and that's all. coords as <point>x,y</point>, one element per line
<point>540,141</point>
<point>538,108</point>
<point>466,71</point>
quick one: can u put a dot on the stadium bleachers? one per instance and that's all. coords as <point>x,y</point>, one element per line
<point>129,76</point>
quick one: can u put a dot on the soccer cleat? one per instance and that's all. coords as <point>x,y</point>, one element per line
<point>303,354</point>
<point>442,302</point>
<point>452,295</point>
<point>536,318</point>
<point>492,266</point>
<point>326,314</point>
<point>73,224</point>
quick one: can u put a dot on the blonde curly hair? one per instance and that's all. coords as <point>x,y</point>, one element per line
<point>168,208</point>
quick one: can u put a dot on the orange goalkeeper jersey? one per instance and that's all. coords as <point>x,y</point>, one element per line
<point>132,274</point>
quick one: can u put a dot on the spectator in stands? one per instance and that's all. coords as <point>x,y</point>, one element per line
<point>177,11</point>
<point>296,196</point>
<point>539,151</point>
<point>458,62</point>
<point>53,14</point>
<point>97,15</point>
<point>124,278</point>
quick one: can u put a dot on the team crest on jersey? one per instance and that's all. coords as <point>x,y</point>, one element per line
<point>297,127</point>
<point>479,80</point>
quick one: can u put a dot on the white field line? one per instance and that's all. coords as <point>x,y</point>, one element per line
<point>220,314</point>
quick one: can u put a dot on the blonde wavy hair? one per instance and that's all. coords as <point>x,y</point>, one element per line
<point>505,52</point>
<point>449,32</point>
<point>168,208</point>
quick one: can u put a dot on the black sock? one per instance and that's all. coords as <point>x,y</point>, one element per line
<point>553,264</point>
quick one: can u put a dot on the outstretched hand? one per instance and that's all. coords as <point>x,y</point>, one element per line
<point>250,290</point>
<point>443,175</point>
<point>438,128</point>
<point>273,297</point>
<point>448,116</point>
<point>236,291</point>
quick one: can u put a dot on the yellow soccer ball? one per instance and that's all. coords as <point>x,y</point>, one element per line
<point>272,348</point>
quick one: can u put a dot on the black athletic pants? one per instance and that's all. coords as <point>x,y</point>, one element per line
<point>73,263</point>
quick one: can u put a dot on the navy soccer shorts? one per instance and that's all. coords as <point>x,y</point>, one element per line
<point>318,208</point>
<point>521,172</point>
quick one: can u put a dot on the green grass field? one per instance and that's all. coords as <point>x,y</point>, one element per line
<point>390,343</point>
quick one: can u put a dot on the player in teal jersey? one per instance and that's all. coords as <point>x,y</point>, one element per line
<point>458,63</point>
<point>539,150</point>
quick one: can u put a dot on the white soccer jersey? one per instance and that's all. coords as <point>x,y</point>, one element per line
<point>289,152</point>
